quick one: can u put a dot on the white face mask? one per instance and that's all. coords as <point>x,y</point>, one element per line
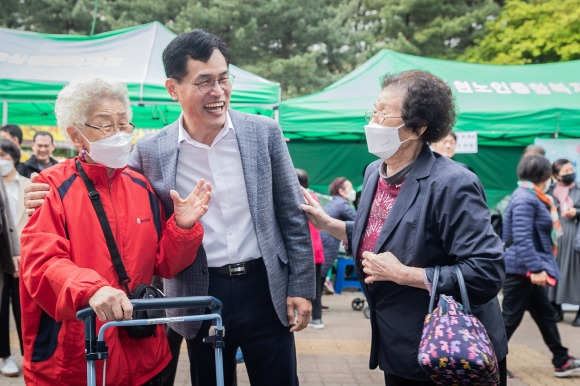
<point>383,141</point>
<point>112,152</point>
<point>351,196</point>
<point>6,166</point>
<point>547,187</point>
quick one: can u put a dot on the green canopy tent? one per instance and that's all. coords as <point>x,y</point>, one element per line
<point>34,67</point>
<point>508,107</point>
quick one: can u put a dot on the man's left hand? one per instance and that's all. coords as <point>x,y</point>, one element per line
<point>298,311</point>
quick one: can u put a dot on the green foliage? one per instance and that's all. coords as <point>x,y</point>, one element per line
<point>433,28</point>
<point>304,44</point>
<point>535,31</point>
<point>308,44</point>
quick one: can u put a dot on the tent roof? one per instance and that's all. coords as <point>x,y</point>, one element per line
<point>34,67</point>
<point>506,105</point>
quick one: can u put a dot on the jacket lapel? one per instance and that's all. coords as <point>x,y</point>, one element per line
<point>249,156</point>
<point>168,153</point>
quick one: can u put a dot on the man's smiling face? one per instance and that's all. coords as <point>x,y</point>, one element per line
<point>203,111</point>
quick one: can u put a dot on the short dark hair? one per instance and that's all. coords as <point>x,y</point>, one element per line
<point>534,168</point>
<point>10,148</point>
<point>557,165</point>
<point>14,131</point>
<point>197,45</point>
<point>42,133</point>
<point>427,101</point>
<point>336,185</point>
<point>302,177</point>
<point>534,149</point>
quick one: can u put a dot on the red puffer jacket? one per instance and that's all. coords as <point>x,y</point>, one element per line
<point>65,260</point>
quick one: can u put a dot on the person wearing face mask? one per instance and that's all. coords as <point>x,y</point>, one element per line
<point>343,195</point>
<point>566,195</point>
<point>531,232</point>
<point>66,264</point>
<point>14,186</point>
<point>418,209</point>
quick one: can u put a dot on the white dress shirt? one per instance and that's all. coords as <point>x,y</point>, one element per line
<point>229,235</point>
<point>12,192</point>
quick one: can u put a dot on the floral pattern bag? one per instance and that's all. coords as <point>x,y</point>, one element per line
<point>455,348</point>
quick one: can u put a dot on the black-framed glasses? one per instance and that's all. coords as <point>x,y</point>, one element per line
<point>205,86</point>
<point>113,128</point>
<point>377,116</point>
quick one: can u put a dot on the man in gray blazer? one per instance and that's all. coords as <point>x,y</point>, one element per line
<point>256,256</point>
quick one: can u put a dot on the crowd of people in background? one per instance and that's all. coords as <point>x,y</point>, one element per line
<point>230,217</point>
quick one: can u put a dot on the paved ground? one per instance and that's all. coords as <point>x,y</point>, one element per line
<point>338,354</point>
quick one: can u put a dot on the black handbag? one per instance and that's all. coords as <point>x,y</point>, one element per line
<point>142,291</point>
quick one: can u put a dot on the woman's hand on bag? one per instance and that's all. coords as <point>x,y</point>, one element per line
<point>111,304</point>
<point>540,278</point>
<point>189,210</point>
<point>570,213</point>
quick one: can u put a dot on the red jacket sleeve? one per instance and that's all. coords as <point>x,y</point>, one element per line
<point>52,279</point>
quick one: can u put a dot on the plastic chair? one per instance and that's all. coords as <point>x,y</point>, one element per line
<point>341,281</point>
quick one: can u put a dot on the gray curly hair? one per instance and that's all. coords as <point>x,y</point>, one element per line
<point>76,99</point>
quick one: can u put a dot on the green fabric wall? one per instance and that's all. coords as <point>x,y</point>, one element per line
<point>325,160</point>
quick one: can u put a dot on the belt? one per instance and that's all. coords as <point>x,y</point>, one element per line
<point>239,268</point>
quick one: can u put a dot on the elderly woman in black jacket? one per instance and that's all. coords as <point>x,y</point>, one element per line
<point>418,210</point>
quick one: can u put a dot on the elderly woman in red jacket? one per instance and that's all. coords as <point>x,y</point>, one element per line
<point>65,261</point>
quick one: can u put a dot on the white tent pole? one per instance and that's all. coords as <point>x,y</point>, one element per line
<point>4,113</point>
<point>146,68</point>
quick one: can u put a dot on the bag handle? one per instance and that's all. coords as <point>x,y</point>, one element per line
<point>434,290</point>
<point>95,197</point>
<point>462,288</point>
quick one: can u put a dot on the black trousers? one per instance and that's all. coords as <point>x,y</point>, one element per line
<point>10,293</point>
<point>251,323</point>
<point>175,340</point>
<point>317,302</point>
<point>519,295</point>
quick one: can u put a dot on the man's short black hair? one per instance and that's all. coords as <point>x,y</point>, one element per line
<point>42,133</point>
<point>302,177</point>
<point>197,45</point>
<point>15,131</point>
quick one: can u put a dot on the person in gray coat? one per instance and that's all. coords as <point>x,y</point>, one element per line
<point>257,256</point>
<point>418,209</point>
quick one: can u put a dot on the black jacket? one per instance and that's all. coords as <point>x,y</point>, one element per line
<point>33,166</point>
<point>439,218</point>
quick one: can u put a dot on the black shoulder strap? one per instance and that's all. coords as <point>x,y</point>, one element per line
<point>124,280</point>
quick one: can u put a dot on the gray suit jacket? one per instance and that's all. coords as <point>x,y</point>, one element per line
<point>274,197</point>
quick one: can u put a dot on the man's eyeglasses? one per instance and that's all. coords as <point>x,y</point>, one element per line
<point>108,129</point>
<point>205,86</point>
<point>377,116</point>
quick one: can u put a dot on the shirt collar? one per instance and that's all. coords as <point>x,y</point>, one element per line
<point>183,135</point>
<point>398,176</point>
